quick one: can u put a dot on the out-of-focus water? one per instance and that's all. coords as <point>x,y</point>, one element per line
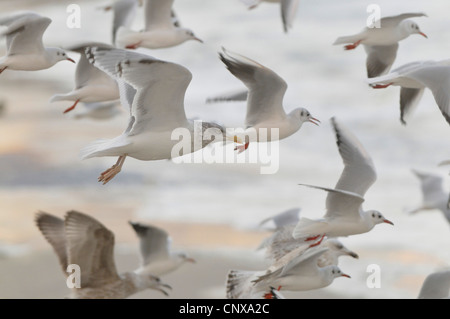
<point>325,79</point>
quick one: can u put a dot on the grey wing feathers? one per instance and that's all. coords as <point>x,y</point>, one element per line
<point>154,242</point>
<point>380,59</point>
<point>52,228</point>
<point>395,20</point>
<point>409,99</point>
<point>90,245</point>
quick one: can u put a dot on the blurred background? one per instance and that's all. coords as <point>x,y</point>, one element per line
<point>212,210</point>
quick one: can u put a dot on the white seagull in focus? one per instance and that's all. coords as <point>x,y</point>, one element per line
<point>153,91</point>
<point>380,40</point>
<point>25,49</point>
<point>265,102</point>
<point>344,213</point>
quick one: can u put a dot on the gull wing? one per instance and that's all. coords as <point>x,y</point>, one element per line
<point>160,86</point>
<point>90,245</point>
<point>158,14</point>
<point>154,242</point>
<point>52,228</point>
<point>266,88</point>
<point>24,32</point>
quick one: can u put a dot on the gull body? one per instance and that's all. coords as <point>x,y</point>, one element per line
<point>345,215</point>
<point>91,84</point>
<point>161,31</point>
<point>413,78</point>
<point>82,240</point>
<point>25,49</point>
<point>265,109</point>
<point>300,273</point>
<point>153,91</point>
<point>381,41</point>
<point>158,258</point>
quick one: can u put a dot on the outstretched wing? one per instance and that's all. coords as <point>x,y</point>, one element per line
<point>24,32</point>
<point>160,86</point>
<point>266,88</point>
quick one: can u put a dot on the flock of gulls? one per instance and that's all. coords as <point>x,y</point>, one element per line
<point>303,253</point>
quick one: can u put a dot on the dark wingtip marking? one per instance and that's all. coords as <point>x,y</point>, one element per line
<point>336,131</point>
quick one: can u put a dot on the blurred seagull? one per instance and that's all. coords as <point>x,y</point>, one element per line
<point>124,13</point>
<point>91,83</point>
<point>413,78</point>
<point>345,215</point>
<point>298,274</point>
<point>25,49</point>
<point>265,101</point>
<point>153,91</point>
<point>436,286</point>
<point>81,240</point>
<point>161,30</point>
<point>157,258</point>
<point>433,195</point>
<point>288,10</point>
<point>380,40</point>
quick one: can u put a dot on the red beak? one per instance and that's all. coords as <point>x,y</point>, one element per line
<point>388,222</point>
<point>423,34</point>
<point>314,121</point>
<point>71,60</point>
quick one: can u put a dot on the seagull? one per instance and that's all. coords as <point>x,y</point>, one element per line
<point>413,78</point>
<point>345,215</point>
<point>433,195</point>
<point>124,13</point>
<point>160,29</point>
<point>281,244</point>
<point>288,10</point>
<point>299,274</point>
<point>380,40</point>
<point>265,101</point>
<point>157,258</point>
<point>91,83</point>
<point>81,240</point>
<point>153,91</point>
<point>25,49</point>
<point>436,286</point>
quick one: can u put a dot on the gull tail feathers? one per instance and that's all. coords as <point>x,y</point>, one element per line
<point>307,227</point>
<point>239,284</point>
<point>103,147</point>
<point>346,40</point>
<point>125,37</point>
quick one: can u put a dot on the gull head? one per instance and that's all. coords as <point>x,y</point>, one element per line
<point>339,249</point>
<point>58,54</point>
<point>377,218</point>
<point>412,28</point>
<point>153,282</point>
<point>185,258</point>
<point>303,116</point>
<point>336,272</point>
